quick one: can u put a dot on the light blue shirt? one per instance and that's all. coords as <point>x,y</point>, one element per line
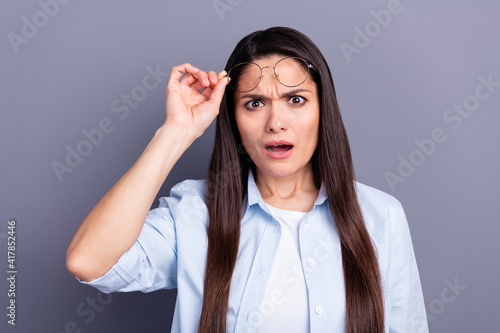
<point>172,247</point>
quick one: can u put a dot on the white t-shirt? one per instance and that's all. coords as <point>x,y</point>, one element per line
<point>285,307</point>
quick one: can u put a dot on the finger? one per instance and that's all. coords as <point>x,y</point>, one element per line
<point>215,78</point>
<point>207,92</point>
<point>197,86</point>
<point>218,90</point>
<point>222,74</point>
<point>224,77</point>
<point>201,77</point>
<point>212,76</point>
<point>187,79</point>
<point>177,71</point>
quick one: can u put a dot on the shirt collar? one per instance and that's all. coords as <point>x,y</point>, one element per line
<point>253,195</point>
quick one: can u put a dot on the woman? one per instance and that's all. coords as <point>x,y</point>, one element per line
<point>280,238</point>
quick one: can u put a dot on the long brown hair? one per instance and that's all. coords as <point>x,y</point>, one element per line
<point>332,165</point>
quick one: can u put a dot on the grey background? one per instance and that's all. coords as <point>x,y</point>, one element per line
<point>394,91</point>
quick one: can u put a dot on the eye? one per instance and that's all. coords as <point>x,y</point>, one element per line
<point>297,100</point>
<point>253,104</point>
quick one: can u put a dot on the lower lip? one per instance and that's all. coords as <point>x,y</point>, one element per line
<point>277,155</point>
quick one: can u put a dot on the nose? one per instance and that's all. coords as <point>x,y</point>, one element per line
<point>276,121</point>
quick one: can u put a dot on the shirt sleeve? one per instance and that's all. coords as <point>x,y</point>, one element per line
<point>407,302</point>
<point>151,263</point>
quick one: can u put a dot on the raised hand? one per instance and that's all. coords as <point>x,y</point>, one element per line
<point>186,106</point>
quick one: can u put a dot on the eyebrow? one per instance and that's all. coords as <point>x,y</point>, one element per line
<point>287,94</point>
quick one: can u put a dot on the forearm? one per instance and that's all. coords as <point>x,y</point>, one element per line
<point>115,223</point>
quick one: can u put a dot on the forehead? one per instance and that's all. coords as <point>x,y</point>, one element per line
<point>289,70</point>
<point>269,60</point>
<point>277,59</point>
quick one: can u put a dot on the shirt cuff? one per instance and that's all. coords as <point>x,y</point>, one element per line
<point>116,278</point>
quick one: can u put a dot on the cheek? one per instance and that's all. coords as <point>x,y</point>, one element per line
<point>241,124</point>
<point>310,130</point>
<point>246,129</point>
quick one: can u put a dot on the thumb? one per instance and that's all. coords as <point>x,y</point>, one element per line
<point>218,90</point>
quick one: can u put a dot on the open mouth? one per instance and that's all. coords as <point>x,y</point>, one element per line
<point>279,148</point>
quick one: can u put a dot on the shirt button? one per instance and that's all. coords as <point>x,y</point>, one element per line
<point>311,262</point>
<point>319,310</point>
<point>306,220</point>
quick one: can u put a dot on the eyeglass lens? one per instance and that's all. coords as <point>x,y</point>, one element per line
<point>290,72</point>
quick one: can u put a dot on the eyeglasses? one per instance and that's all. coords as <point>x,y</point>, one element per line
<point>289,71</point>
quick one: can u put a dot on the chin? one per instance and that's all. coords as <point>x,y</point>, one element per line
<point>278,170</point>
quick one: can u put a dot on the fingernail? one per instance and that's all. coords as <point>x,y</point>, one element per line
<point>214,78</point>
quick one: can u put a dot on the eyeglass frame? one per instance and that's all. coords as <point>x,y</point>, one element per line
<point>275,75</point>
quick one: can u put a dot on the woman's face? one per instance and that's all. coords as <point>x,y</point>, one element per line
<point>278,124</point>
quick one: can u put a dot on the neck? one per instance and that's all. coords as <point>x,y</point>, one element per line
<point>294,192</point>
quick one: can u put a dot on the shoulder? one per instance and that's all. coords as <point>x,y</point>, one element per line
<point>186,198</point>
<point>380,209</point>
<point>372,197</point>
<point>187,189</point>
